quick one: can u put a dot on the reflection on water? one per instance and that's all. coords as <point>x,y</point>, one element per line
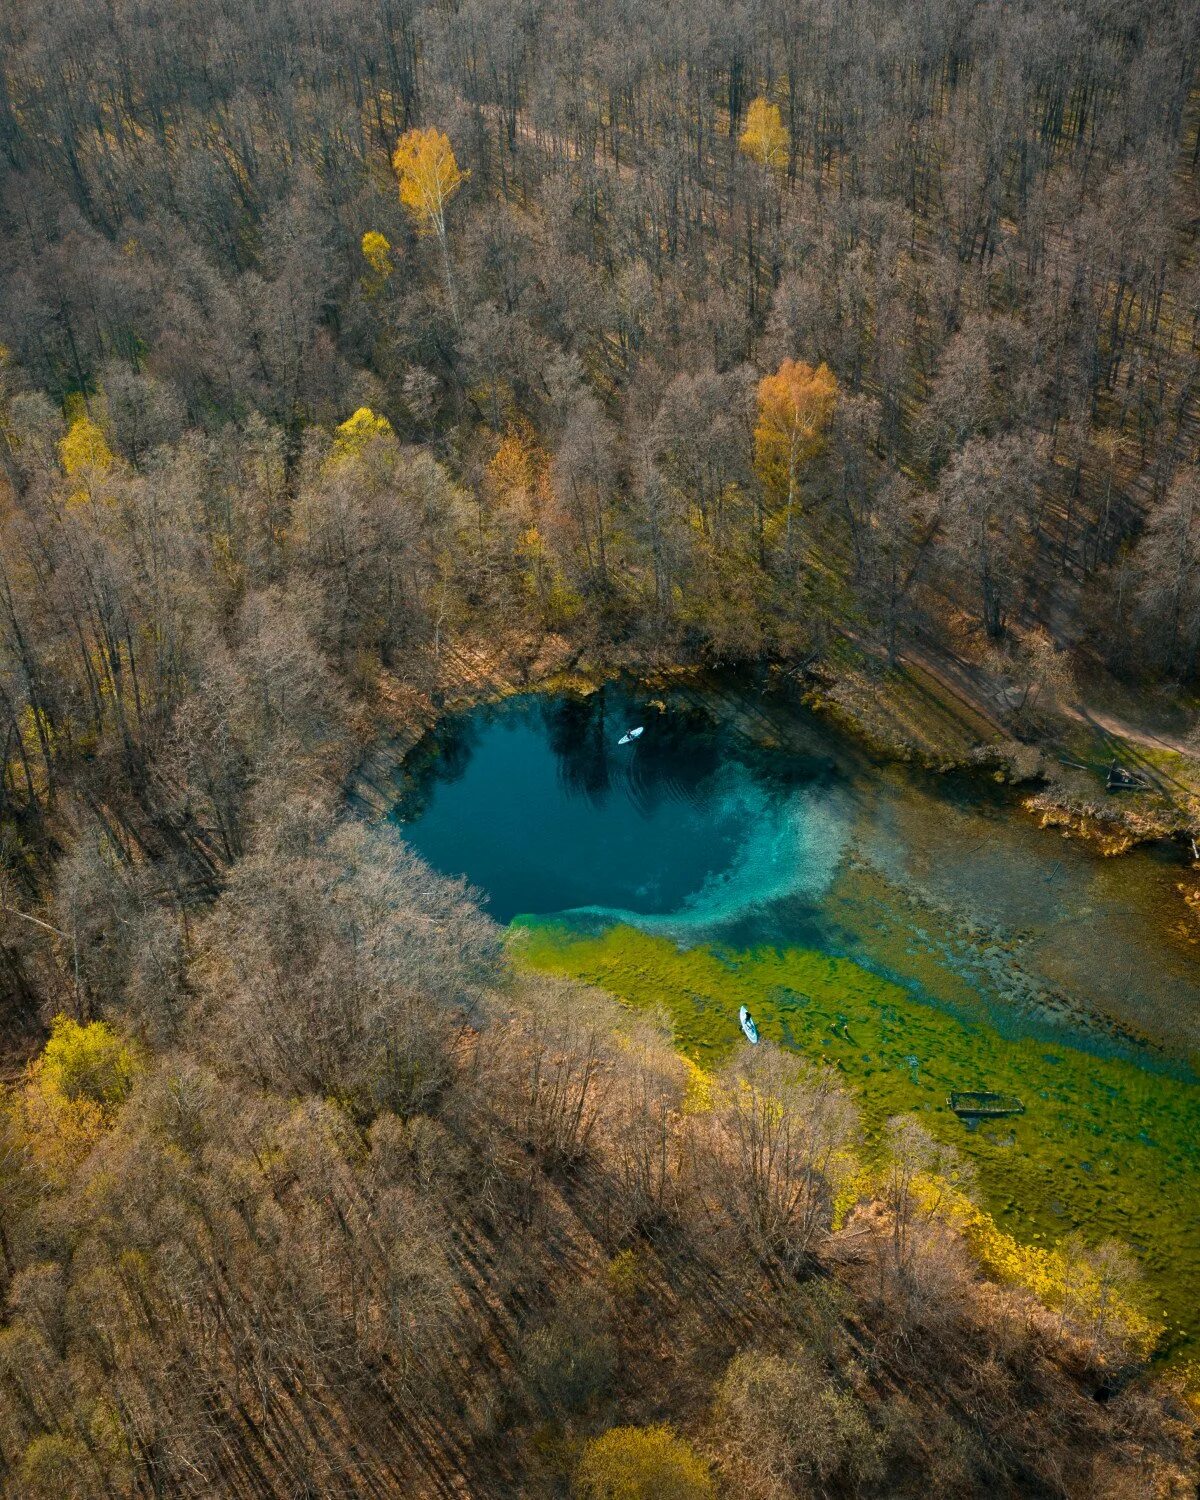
<point>921,933</point>
<point>682,829</point>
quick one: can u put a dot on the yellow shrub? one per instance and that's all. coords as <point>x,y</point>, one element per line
<point>1057,1280</point>
<point>377,252</point>
<point>857,1183</point>
<point>698,1095</point>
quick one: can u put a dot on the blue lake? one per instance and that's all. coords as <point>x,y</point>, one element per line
<point>538,804</point>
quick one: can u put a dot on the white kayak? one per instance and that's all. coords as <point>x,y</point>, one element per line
<point>748,1026</point>
<point>631,735</point>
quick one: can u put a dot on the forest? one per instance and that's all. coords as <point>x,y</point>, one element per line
<point>343,345</point>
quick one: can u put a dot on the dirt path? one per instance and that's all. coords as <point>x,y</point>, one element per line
<point>1121,729</point>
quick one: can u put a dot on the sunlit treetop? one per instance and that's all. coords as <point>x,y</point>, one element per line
<point>85,453</point>
<point>89,1062</point>
<point>794,409</point>
<point>765,138</point>
<point>429,176</point>
<point>84,447</point>
<point>642,1463</point>
<point>518,468</point>
<point>70,1095</point>
<point>353,435</point>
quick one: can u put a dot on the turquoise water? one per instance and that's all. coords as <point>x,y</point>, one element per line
<point>682,831</point>
<point>742,819</point>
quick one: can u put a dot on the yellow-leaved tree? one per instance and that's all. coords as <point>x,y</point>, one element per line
<point>795,406</point>
<point>642,1463</point>
<point>377,252</point>
<point>72,1092</point>
<point>353,435</point>
<point>765,138</point>
<point>84,454</point>
<point>429,177</point>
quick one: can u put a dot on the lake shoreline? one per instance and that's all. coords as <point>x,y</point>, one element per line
<point>482,674</point>
<point>1098,1144</point>
<point>779,720</point>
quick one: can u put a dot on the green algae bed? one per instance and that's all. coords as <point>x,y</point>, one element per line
<point>1104,1145</point>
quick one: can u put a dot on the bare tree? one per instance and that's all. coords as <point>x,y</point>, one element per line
<point>770,1156</point>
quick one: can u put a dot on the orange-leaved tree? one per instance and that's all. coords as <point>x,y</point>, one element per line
<point>429,177</point>
<point>795,406</point>
<point>765,138</point>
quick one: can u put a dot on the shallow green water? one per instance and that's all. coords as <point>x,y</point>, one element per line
<point>919,934</point>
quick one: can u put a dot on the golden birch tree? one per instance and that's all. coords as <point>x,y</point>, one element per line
<point>765,138</point>
<point>795,406</point>
<point>429,177</point>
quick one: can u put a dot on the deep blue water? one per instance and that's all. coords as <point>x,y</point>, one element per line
<point>538,805</point>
